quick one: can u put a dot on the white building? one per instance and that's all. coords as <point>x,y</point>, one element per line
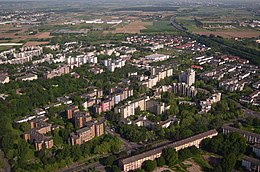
<point>157,57</point>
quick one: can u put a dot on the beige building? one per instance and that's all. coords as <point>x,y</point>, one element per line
<point>136,161</point>
<point>157,76</point>
<point>130,108</point>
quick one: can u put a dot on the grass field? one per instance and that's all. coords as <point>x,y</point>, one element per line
<point>159,26</point>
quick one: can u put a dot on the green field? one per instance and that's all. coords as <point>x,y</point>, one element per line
<point>159,26</point>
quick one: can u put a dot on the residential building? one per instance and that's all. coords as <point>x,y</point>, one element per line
<point>207,105</point>
<point>187,77</point>
<point>71,110</point>
<point>157,57</point>
<point>136,161</point>
<point>39,127</point>
<point>115,63</point>
<point>256,149</point>
<point>80,119</point>
<point>183,89</point>
<point>57,72</point>
<point>251,164</point>
<point>28,77</point>
<point>250,137</point>
<point>156,107</point>
<point>130,107</point>
<point>157,74</point>
<point>92,129</point>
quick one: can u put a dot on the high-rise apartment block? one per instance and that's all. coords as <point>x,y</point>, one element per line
<point>187,77</point>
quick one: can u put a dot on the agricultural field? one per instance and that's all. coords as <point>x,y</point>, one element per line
<point>224,22</point>
<point>133,27</point>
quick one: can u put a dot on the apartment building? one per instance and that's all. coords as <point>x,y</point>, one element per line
<point>232,85</point>
<point>113,64</point>
<point>136,161</point>
<point>92,129</point>
<point>187,77</point>
<point>157,76</point>
<point>115,96</point>
<point>157,57</point>
<point>39,127</point>
<point>250,137</point>
<point>156,107</point>
<point>25,55</point>
<point>251,164</point>
<point>129,108</point>
<point>184,89</point>
<point>70,110</point>
<point>256,149</point>
<point>207,104</point>
<point>57,72</point>
<point>80,60</point>
<point>81,119</point>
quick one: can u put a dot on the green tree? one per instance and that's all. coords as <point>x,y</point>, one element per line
<point>184,154</point>
<point>160,161</point>
<point>116,169</point>
<point>149,165</point>
<point>229,162</point>
<point>170,155</point>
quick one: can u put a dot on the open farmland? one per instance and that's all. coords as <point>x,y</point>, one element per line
<point>159,26</point>
<point>133,27</point>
